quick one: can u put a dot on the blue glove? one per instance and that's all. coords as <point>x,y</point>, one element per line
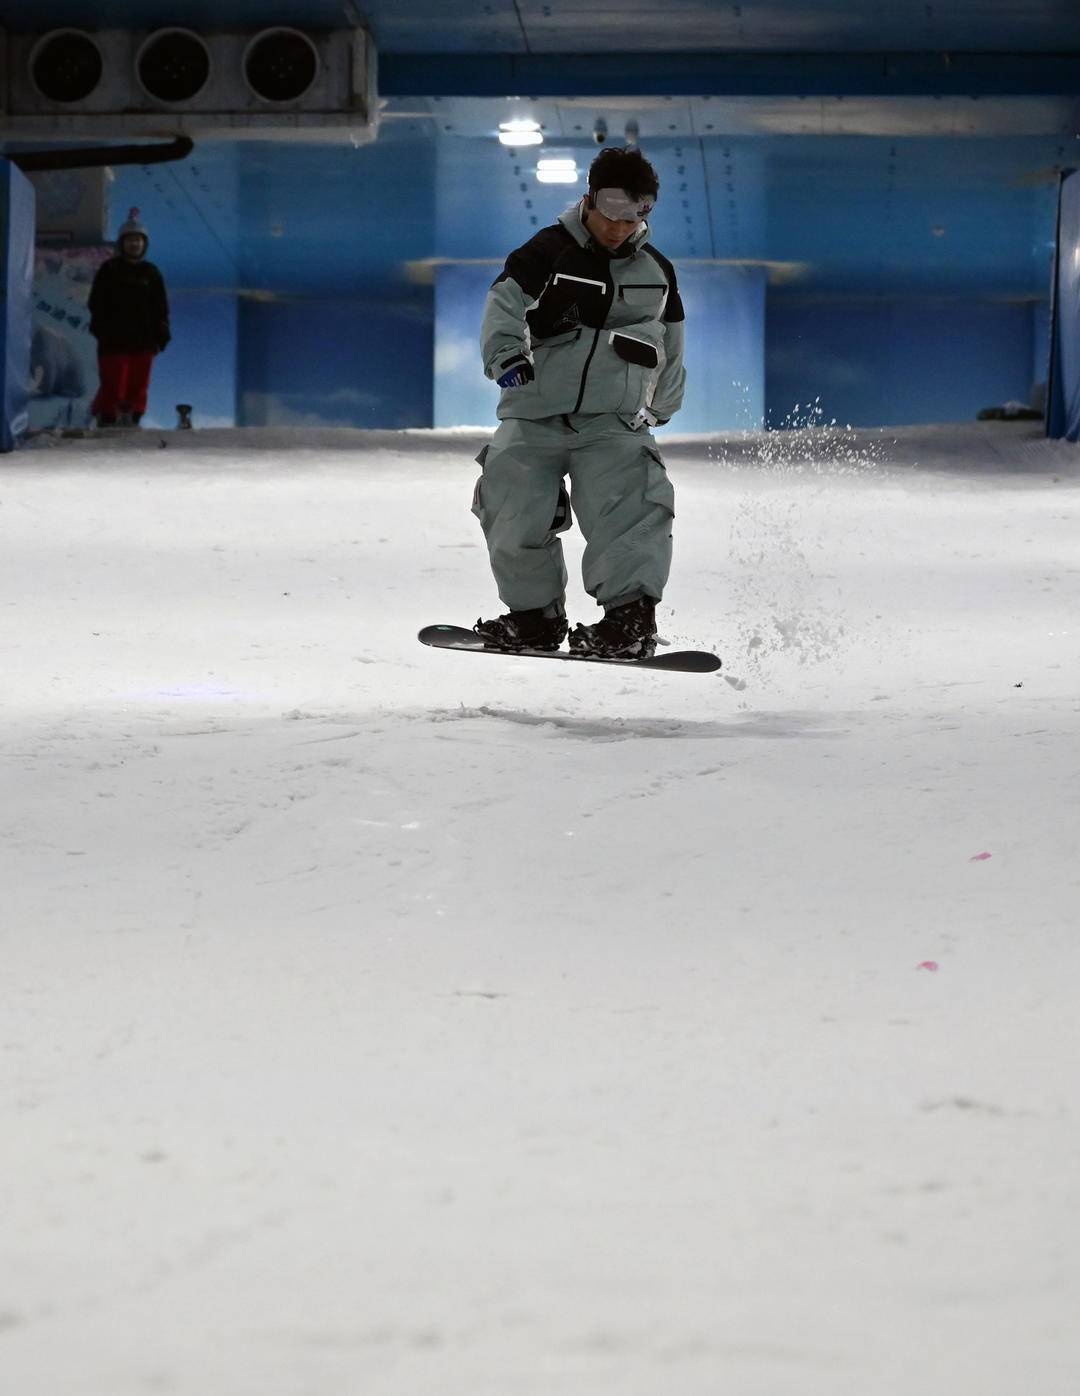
<point>516,373</point>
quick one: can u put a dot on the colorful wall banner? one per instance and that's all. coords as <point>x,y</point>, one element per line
<point>63,354</point>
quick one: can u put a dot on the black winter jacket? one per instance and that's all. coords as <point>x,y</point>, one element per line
<point>129,310</point>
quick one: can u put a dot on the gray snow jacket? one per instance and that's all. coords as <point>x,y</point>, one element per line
<point>603,330</point>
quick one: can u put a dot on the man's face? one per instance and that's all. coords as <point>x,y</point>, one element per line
<point>611,232</point>
<point>133,245</point>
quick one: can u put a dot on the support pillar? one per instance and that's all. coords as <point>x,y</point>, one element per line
<point>16,301</point>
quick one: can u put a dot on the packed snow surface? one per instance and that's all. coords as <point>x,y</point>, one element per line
<point>381,1021</point>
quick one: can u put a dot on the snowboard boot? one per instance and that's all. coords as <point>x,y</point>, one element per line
<point>106,419</point>
<point>523,630</point>
<point>626,632</point>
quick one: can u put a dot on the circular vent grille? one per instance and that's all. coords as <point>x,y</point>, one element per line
<point>280,65</point>
<point>173,65</point>
<point>66,65</point>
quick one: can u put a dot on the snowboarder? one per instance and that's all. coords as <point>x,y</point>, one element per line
<point>583,331</point>
<point>129,318</point>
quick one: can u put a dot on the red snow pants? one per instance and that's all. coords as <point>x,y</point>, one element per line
<point>125,380</point>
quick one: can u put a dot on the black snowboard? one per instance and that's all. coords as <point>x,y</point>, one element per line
<point>455,637</point>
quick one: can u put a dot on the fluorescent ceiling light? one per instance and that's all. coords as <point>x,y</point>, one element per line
<point>557,170</point>
<point>521,130</point>
<point>521,138</point>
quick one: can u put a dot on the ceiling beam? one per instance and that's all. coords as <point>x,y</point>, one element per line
<point>729,74</point>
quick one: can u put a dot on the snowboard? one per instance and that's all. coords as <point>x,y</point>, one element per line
<point>456,637</point>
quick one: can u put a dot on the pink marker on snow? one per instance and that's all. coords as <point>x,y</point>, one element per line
<point>928,964</point>
<point>980,857</point>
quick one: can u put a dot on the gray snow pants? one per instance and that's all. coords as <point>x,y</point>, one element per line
<point>620,492</point>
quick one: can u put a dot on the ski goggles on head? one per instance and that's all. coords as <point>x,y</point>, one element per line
<point>622,207</point>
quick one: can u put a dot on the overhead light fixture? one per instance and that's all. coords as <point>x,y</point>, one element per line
<point>557,169</point>
<point>520,131</point>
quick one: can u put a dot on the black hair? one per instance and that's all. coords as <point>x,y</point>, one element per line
<point>624,168</point>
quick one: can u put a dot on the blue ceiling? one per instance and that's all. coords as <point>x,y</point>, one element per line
<point>569,26</point>
<point>839,194</point>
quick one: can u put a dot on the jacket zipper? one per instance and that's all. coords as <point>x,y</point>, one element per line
<point>585,371</point>
<point>592,351</point>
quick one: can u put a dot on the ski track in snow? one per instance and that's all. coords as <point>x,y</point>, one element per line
<point>379,1020</point>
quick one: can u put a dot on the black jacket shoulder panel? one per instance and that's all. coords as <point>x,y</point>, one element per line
<point>674,309</point>
<point>531,264</point>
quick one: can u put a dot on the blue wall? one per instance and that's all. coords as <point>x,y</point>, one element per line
<point>369,363</point>
<point>1040,352</point>
<point>356,363</point>
<point>200,365</point>
<point>896,362</point>
<point>725,348</point>
<point>323,243</point>
<point>463,396</point>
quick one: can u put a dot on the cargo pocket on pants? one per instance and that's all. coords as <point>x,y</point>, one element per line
<point>563,514</point>
<point>658,488</point>
<point>477,494</point>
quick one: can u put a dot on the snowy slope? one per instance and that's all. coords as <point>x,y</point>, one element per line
<point>387,1021</point>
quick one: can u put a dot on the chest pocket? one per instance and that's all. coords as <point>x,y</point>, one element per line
<point>643,297</point>
<point>634,350</point>
<point>568,300</point>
